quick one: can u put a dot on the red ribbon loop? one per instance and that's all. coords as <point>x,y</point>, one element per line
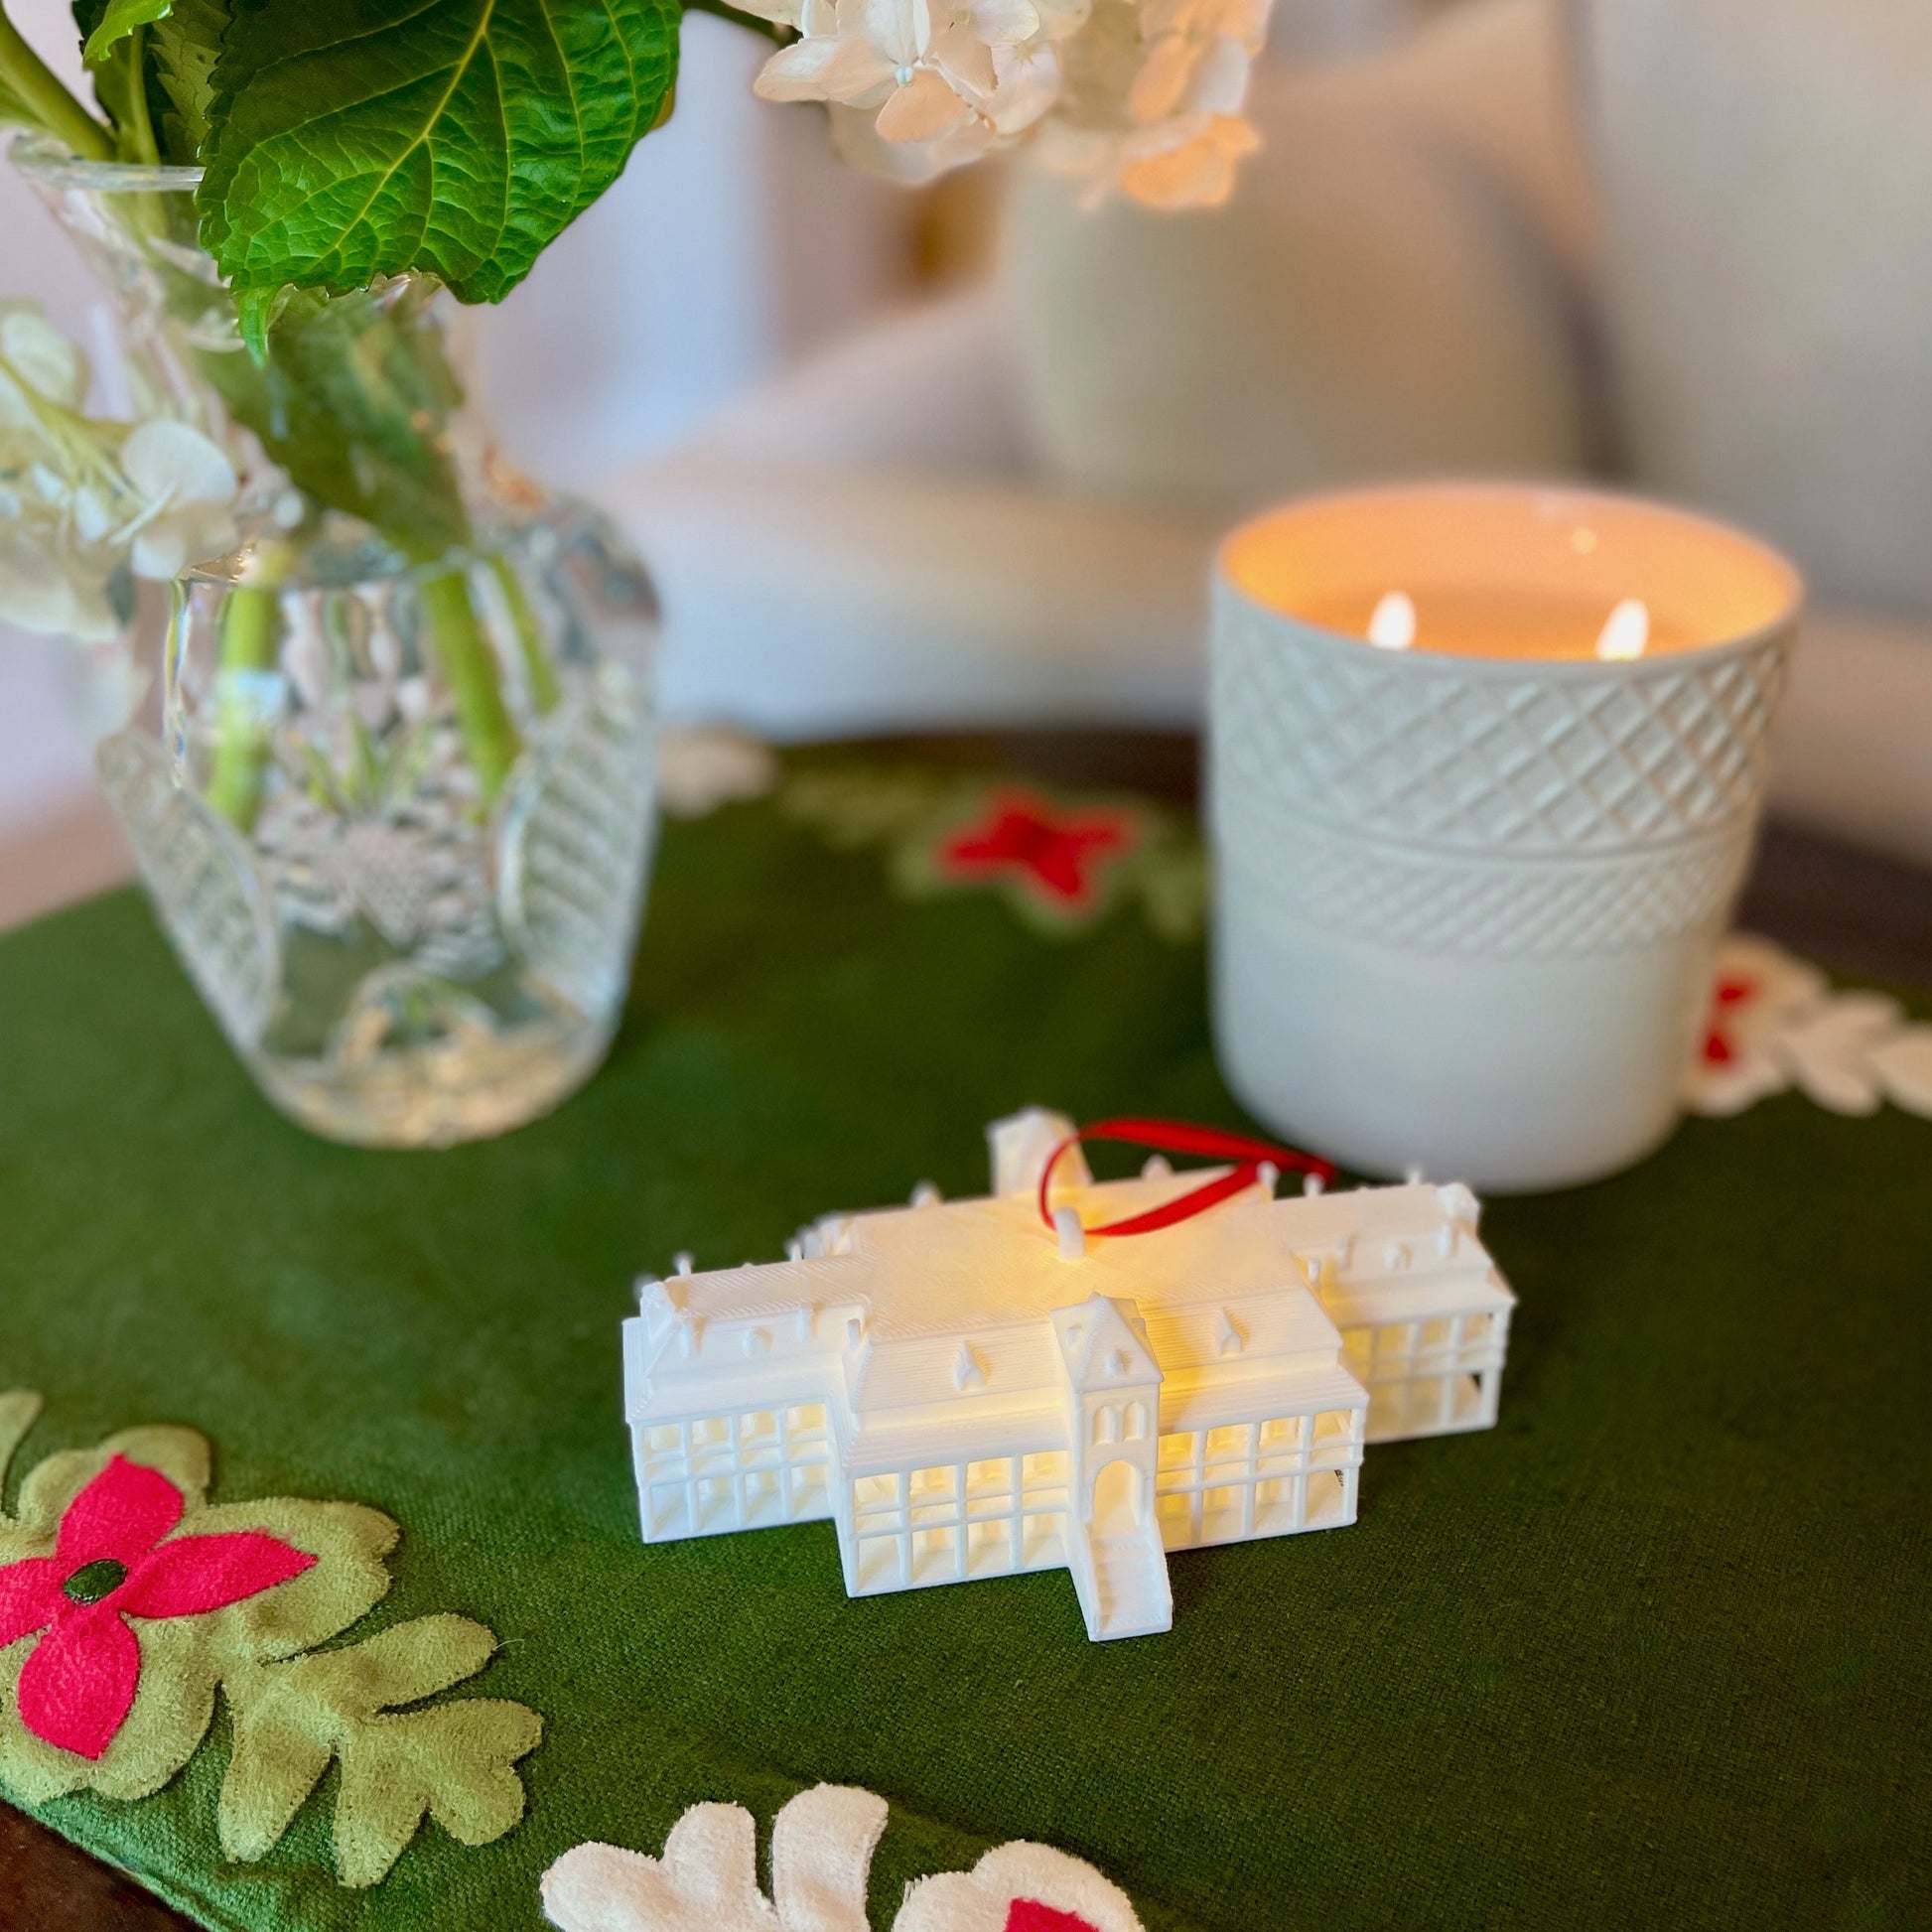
<point>1184,1137</point>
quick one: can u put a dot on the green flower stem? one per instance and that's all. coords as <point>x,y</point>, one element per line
<point>471,668</point>
<point>138,135</point>
<point>536,662</point>
<point>252,636</point>
<point>27,77</point>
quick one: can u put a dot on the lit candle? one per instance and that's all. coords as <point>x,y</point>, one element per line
<point>1467,571</point>
<point>1485,765</point>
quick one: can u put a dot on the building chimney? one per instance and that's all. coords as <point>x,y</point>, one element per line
<point>1022,1144</point>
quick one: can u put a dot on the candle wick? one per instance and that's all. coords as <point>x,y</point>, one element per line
<point>1392,627</point>
<point>1627,632</point>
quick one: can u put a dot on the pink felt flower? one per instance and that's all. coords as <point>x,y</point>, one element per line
<point>111,1563</point>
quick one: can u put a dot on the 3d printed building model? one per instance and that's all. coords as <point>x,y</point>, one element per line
<point>964,1395</point>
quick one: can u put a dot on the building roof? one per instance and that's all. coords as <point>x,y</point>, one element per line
<point>956,1304</point>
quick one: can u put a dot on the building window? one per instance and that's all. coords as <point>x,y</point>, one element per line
<point>1044,1540</point>
<point>788,1451</point>
<point>947,1521</point>
<point>1244,1479</point>
<point>879,1563</point>
<point>990,1547</point>
<point>934,1557</point>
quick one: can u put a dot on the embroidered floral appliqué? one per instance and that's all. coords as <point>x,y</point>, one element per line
<point>1060,858</point>
<point>1777,1023</point>
<point>1061,861</point>
<point>821,1859</point>
<point>127,1599</point>
<point>110,1564</point>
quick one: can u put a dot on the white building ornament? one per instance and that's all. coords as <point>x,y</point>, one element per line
<point>966,1393</point>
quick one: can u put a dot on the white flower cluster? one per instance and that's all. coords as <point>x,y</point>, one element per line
<point>1138,97</point>
<point>83,501</point>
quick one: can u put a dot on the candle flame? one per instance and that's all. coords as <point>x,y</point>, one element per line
<point>1627,632</point>
<point>1392,627</point>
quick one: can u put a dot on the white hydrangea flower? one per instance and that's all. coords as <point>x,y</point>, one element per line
<point>188,487</point>
<point>1141,97</point>
<point>1153,98</point>
<point>34,357</point>
<point>920,67</point>
<point>918,86</point>
<point>84,502</point>
<point>1188,161</point>
<point>41,590</point>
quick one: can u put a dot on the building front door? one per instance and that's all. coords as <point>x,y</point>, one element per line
<point>1119,1499</point>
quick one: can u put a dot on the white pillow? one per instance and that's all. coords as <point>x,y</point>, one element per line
<point>1767,172</point>
<point>1391,289</point>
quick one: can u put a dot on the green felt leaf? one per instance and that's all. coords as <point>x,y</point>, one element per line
<point>450,1762</point>
<point>181,1454</point>
<point>18,1408</point>
<point>354,140</point>
<point>279,1757</point>
<point>185,42</point>
<point>401,1664</point>
<point>118,19</point>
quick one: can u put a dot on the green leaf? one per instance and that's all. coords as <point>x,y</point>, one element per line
<point>186,42</point>
<point>118,19</point>
<point>351,397</point>
<point>450,1762</point>
<point>353,139</point>
<point>122,85</point>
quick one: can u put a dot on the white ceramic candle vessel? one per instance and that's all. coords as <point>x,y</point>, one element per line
<point>1472,874</point>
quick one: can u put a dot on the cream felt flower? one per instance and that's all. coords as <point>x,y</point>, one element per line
<point>822,1845</point>
<point>707,1879</point>
<point>1777,1023</point>
<point>1017,1888</point>
<point>698,770</point>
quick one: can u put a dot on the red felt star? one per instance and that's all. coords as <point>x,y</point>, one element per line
<point>1057,855</point>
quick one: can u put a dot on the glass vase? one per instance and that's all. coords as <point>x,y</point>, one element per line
<point>397,816</point>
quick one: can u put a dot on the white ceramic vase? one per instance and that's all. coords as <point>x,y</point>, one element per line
<point>1467,906</point>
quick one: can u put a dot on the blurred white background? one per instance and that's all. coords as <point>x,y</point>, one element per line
<point>735,246</point>
<point>734,243</point>
<point>958,458</point>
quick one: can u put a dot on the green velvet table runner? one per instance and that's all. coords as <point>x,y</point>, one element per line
<point>1655,1651</point>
